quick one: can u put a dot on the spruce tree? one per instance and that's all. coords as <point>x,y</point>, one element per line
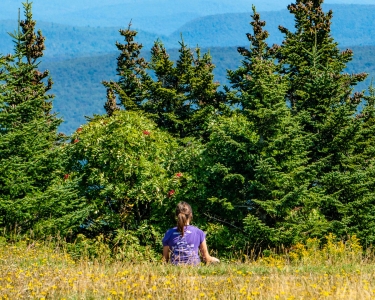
<point>132,72</point>
<point>250,177</point>
<point>320,94</point>
<point>26,110</point>
<point>358,183</point>
<point>111,105</point>
<point>277,184</point>
<point>178,98</point>
<point>32,188</point>
<point>185,95</point>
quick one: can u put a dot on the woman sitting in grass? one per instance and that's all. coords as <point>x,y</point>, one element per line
<point>183,241</point>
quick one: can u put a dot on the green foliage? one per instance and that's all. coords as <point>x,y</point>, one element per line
<point>215,173</point>
<point>123,166</point>
<point>282,167</point>
<point>358,186</point>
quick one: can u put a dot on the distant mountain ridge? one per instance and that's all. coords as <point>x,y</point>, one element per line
<point>351,25</point>
<point>63,41</point>
<point>161,16</point>
<point>115,12</point>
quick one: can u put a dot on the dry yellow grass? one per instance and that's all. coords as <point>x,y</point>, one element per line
<point>338,271</point>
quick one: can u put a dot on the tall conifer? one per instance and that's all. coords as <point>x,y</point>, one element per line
<point>32,188</point>
<point>132,72</point>
<point>278,183</point>
<point>180,96</point>
<point>185,95</point>
<point>320,93</point>
<point>358,182</point>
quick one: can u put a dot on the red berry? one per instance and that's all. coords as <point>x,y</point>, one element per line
<point>79,129</point>
<point>76,141</point>
<point>66,176</point>
<point>146,132</point>
<point>179,174</point>
<point>171,193</point>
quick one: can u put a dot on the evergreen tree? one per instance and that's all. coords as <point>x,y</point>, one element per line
<point>277,184</point>
<point>358,183</point>
<point>185,95</point>
<point>318,88</point>
<point>30,162</point>
<point>250,178</point>
<point>320,93</point>
<point>132,72</point>
<point>178,98</point>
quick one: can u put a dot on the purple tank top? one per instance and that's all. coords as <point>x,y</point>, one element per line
<point>184,248</point>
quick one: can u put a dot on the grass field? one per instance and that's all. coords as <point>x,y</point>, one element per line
<point>31,270</point>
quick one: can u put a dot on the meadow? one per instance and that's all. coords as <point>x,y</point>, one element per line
<point>336,270</point>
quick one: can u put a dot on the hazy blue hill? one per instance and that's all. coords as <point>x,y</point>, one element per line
<point>364,61</point>
<point>79,91</point>
<point>77,87</point>
<point>351,25</point>
<point>165,16</point>
<point>229,29</point>
<point>110,17</point>
<point>68,41</point>
<point>116,12</point>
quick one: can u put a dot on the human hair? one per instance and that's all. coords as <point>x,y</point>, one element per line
<point>184,213</point>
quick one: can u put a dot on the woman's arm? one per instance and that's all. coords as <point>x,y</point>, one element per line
<point>205,255</point>
<point>166,253</point>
